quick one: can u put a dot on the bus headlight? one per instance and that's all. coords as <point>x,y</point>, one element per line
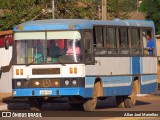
<point>74,82</point>
<point>19,83</point>
<point>56,83</point>
<point>66,82</point>
<point>36,83</point>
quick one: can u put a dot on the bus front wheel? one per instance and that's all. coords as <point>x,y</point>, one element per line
<point>35,104</point>
<point>130,101</point>
<point>90,104</point>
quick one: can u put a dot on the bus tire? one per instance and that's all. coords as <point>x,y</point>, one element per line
<point>76,105</point>
<point>90,104</point>
<point>130,101</point>
<point>120,101</point>
<point>35,104</point>
<point>76,102</point>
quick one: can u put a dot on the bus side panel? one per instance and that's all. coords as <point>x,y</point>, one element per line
<point>112,86</point>
<point>148,83</point>
<point>135,65</point>
<point>149,74</point>
<point>109,66</point>
<point>115,74</point>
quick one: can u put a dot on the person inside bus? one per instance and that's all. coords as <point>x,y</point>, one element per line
<point>71,50</point>
<point>54,50</point>
<point>38,52</point>
<point>150,44</point>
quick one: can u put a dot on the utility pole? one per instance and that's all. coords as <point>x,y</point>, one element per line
<point>53,9</point>
<point>104,9</point>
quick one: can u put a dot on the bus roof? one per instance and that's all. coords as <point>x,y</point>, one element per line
<point>77,24</point>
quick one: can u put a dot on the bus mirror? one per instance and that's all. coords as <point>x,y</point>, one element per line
<point>6,43</point>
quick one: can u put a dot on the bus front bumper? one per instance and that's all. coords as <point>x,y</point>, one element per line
<point>50,92</point>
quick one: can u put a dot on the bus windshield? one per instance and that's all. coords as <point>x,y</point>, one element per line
<point>56,48</point>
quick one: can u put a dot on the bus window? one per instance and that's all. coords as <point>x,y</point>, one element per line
<point>110,40</point>
<point>148,47</point>
<point>99,37</point>
<point>21,52</point>
<point>29,51</point>
<point>88,44</point>
<point>135,41</point>
<point>123,41</point>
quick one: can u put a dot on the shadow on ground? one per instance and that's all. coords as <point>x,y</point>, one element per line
<point>57,105</point>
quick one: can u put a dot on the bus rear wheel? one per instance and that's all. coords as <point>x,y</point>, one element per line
<point>130,101</point>
<point>120,101</point>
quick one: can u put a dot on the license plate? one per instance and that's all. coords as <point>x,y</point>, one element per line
<point>45,92</point>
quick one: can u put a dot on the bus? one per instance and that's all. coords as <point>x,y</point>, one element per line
<point>84,60</point>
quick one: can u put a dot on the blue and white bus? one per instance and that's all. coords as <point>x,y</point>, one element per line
<point>83,60</point>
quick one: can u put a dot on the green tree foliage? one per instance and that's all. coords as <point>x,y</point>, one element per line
<point>151,7</point>
<point>126,6</point>
<point>76,9</point>
<point>19,11</point>
<point>25,10</point>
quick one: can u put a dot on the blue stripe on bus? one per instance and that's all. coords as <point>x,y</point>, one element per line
<point>62,91</point>
<point>135,65</point>
<point>141,65</point>
<point>148,84</point>
<point>148,88</point>
<point>109,80</point>
<point>112,90</point>
<point>114,85</point>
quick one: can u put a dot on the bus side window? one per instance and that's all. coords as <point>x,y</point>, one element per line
<point>98,31</point>
<point>88,44</point>
<point>135,41</point>
<point>110,41</point>
<point>124,42</point>
<point>146,50</point>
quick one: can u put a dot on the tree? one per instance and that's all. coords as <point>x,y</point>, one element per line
<point>19,11</point>
<point>151,7</point>
<point>25,10</point>
<point>76,9</point>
